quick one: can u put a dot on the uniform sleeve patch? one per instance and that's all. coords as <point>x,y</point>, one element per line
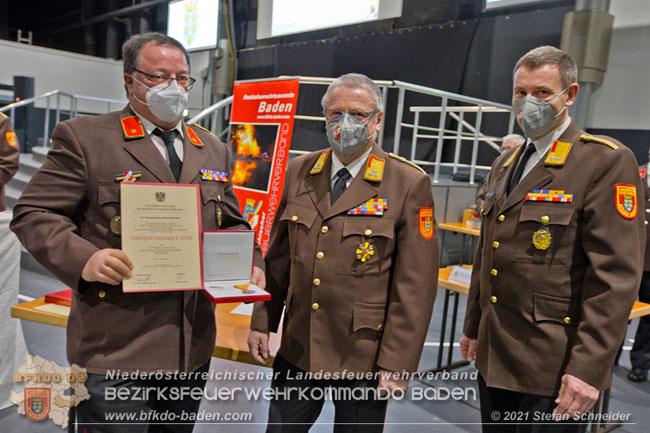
<point>11,139</point>
<point>426,222</point>
<point>626,202</point>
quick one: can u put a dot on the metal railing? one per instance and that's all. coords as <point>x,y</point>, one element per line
<point>468,114</point>
<point>72,111</point>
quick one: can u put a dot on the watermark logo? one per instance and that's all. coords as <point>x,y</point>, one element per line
<point>50,390</point>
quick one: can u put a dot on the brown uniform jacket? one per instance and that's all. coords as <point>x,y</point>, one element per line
<point>63,217</point>
<point>539,314</point>
<point>8,156</point>
<point>342,313</point>
<point>646,212</point>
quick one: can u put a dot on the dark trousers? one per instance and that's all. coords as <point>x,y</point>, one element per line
<point>147,405</point>
<point>640,354</point>
<point>504,411</point>
<point>293,412</point>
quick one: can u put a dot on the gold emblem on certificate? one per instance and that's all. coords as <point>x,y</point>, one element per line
<point>365,251</point>
<point>542,239</point>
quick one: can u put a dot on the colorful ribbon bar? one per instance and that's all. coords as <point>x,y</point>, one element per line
<point>374,206</point>
<point>218,176</point>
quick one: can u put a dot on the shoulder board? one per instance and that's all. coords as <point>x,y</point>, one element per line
<point>401,158</point>
<point>3,115</point>
<point>203,129</point>
<point>591,138</point>
<point>514,155</point>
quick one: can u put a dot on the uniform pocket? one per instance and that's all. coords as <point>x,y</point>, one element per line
<point>366,245</point>
<point>299,219</point>
<point>211,199</point>
<point>368,316</point>
<point>548,308</point>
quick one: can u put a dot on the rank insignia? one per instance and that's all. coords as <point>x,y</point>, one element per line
<point>320,163</point>
<point>37,403</point>
<point>643,172</point>
<point>374,206</point>
<point>194,139</point>
<point>128,176</point>
<point>374,169</point>
<point>217,176</point>
<point>116,225</point>
<point>132,127</point>
<point>426,222</point>
<point>542,239</point>
<point>558,153</point>
<point>554,195</point>
<point>626,203</point>
<point>365,251</point>
<point>11,139</point>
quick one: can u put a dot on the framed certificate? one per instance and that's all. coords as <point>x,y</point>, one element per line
<point>227,265</point>
<point>161,227</point>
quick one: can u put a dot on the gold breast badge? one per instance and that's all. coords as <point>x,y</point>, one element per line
<point>542,239</point>
<point>365,251</point>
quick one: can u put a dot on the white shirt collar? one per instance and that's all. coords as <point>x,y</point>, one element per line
<point>354,167</point>
<point>149,127</point>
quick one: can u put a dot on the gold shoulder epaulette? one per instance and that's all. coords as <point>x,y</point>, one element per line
<point>401,158</point>
<point>203,129</point>
<point>3,114</point>
<point>593,139</point>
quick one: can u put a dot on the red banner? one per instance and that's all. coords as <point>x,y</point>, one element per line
<point>261,125</point>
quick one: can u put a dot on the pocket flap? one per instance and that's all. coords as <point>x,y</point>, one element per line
<point>554,309</point>
<point>368,226</point>
<point>299,215</point>
<point>555,214</point>
<point>108,192</point>
<point>210,191</point>
<point>369,316</point>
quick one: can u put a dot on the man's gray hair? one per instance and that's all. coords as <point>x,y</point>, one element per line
<point>133,46</point>
<point>356,81</point>
<point>548,55</point>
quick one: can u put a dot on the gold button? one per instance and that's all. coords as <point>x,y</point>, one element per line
<point>567,320</point>
<point>380,327</point>
<point>502,218</point>
<point>481,212</point>
<point>493,299</point>
<point>294,218</point>
<point>494,272</point>
<point>320,255</point>
<point>315,306</point>
<point>324,229</point>
<point>545,219</point>
<point>316,282</point>
<point>495,244</point>
<point>368,232</point>
<point>101,294</point>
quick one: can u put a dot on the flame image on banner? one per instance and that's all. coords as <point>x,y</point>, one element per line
<point>252,147</point>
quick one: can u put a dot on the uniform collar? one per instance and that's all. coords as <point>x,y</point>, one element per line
<point>149,126</point>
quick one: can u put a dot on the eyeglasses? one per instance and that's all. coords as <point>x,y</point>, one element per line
<point>184,81</point>
<point>361,116</point>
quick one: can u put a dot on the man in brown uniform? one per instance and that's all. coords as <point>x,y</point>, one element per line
<point>8,156</point>
<point>354,257</point>
<point>68,219</point>
<point>558,263</point>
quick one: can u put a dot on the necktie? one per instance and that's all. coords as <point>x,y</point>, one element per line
<point>174,161</point>
<point>341,183</point>
<point>516,176</point>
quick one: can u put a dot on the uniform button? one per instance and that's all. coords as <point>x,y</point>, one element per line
<point>567,320</point>
<point>316,282</point>
<point>495,244</point>
<point>294,218</point>
<point>481,212</point>
<point>101,294</point>
<point>368,232</point>
<point>501,218</point>
<point>315,306</point>
<point>380,327</point>
<point>494,272</point>
<point>545,219</point>
<point>324,229</point>
<point>647,211</point>
<point>646,223</point>
<point>493,299</point>
<point>320,255</point>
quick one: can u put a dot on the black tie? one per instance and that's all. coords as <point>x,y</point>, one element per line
<point>341,183</point>
<point>174,161</point>
<point>516,176</point>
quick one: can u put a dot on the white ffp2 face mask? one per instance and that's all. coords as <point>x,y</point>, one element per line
<point>166,101</point>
